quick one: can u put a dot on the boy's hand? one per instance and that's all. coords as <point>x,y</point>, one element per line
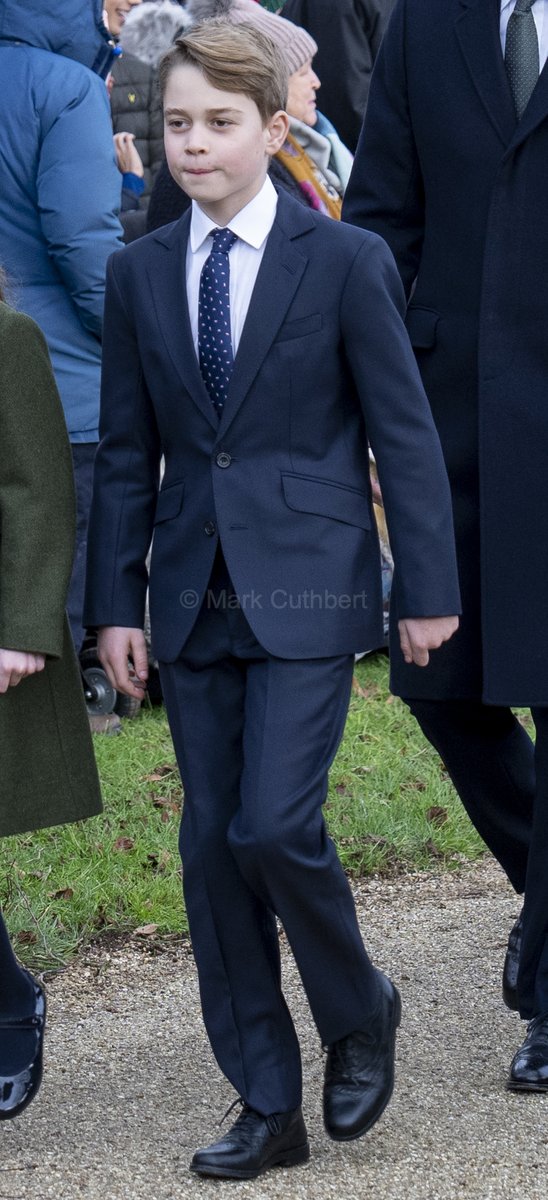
<point>116,644</point>
<point>16,665</point>
<point>418,635</point>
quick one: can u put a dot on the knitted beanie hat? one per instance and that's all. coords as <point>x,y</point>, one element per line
<point>295,44</point>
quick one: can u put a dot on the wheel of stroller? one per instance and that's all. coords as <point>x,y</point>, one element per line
<point>99,693</point>
<point>126,706</point>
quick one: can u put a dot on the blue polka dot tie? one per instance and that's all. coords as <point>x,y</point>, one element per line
<point>521,55</point>
<point>214,336</point>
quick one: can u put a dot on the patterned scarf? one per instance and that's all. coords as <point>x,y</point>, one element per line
<point>319,194</point>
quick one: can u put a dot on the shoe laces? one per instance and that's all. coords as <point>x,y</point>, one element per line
<point>345,1056</point>
<point>248,1118</point>
<point>539,1027</point>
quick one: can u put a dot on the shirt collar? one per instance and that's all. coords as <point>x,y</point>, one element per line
<point>506,4</point>
<point>251,224</point>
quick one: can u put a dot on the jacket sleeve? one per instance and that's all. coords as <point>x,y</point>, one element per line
<point>126,475</point>
<point>385,193</point>
<point>403,436</point>
<point>78,195</point>
<point>37,507</point>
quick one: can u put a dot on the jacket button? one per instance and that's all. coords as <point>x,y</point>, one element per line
<point>223,459</point>
<point>210,528</point>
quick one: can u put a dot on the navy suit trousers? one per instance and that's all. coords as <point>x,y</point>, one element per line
<point>254,737</point>
<point>502,779</point>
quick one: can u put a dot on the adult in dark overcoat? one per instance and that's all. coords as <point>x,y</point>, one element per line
<point>348,34</point>
<point>452,170</point>
<point>48,768</point>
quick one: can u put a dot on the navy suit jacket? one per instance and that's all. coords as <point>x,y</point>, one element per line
<point>323,364</point>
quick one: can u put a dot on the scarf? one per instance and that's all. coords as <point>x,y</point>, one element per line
<point>319,193</point>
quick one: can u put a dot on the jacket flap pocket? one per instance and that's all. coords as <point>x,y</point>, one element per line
<point>326,499</point>
<point>169,502</point>
<point>421,324</point>
<point>300,327</point>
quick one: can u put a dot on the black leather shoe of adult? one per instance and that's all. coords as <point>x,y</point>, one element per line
<point>529,1068</point>
<point>17,1089</point>
<point>510,969</point>
<point>254,1144</point>
<point>359,1072</point>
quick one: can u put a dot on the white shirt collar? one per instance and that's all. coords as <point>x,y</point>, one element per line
<point>252,224</point>
<point>505,4</point>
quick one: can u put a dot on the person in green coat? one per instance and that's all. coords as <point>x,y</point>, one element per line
<point>48,773</point>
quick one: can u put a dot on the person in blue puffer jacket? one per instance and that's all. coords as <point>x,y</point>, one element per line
<point>59,199</point>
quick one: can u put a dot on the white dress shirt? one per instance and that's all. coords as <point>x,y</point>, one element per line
<point>540,12</point>
<point>252,226</point>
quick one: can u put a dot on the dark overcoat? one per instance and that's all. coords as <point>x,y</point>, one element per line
<point>282,479</point>
<point>348,35</point>
<point>47,767</point>
<point>459,189</point>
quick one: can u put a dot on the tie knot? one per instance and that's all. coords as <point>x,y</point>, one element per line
<point>223,239</point>
<point>523,6</point>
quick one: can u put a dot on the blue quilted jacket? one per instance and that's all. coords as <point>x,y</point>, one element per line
<point>59,186</point>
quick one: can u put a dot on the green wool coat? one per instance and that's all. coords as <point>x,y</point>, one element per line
<point>47,766</point>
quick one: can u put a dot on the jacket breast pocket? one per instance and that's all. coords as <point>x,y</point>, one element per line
<point>170,502</point>
<point>300,328</point>
<point>325,498</point>
<point>421,325</point>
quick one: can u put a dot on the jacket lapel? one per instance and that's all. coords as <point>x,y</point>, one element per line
<point>478,31</point>
<point>280,273</point>
<point>168,287</point>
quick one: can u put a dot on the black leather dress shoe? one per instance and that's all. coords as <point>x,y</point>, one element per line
<point>254,1144</point>
<point>511,965</point>
<point>529,1069</point>
<point>359,1073</point>
<point>19,1088</point>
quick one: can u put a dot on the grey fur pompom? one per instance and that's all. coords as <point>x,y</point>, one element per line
<point>150,29</point>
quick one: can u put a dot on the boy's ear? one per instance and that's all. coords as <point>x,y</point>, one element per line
<point>277,129</point>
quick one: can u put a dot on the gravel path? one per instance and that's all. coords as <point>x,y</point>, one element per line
<point>130,1088</point>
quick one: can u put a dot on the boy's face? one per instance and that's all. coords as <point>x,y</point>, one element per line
<point>217,147</point>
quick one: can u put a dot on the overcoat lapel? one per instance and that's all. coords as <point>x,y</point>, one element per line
<point>168,288</point>
<point>478,31</point>
<point>536,111</point>
<point>280,273</point>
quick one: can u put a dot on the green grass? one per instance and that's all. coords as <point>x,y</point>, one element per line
<point>390,807</point>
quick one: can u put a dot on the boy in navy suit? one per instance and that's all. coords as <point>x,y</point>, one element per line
<point>257,345</point>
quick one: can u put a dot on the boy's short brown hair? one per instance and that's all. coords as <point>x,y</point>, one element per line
<point>233,58</point>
